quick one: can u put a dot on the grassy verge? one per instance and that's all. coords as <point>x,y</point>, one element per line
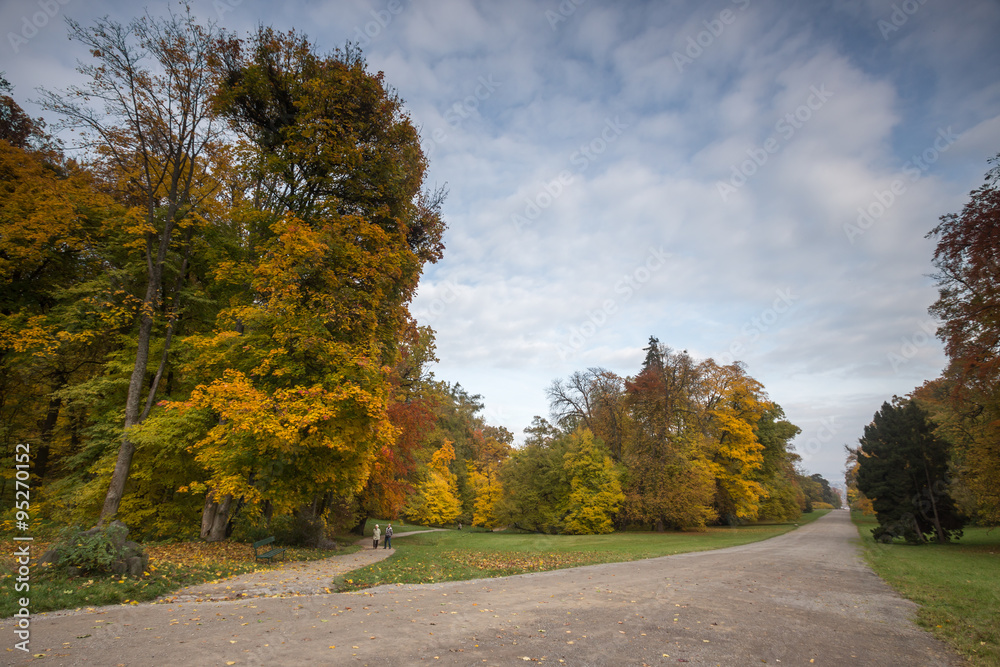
<point>468,554</point>
<point>956,585</point>
<point>171,567</point>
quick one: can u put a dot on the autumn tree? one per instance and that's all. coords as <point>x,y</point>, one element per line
<point>459,419</point>
<point>594,399</point>
<point>17,128</point>
<point>299,367</point>
<point>435,501</point>
<point>903,468</point>
<point>595,492</point>
<point>733,404</point>
<point>53,239</point>
<point>967,259</point>
<point>856,500</point>
<point>670,477</point>
<point>145,115</point>
<point>413,399</point>
<point>492,450</point>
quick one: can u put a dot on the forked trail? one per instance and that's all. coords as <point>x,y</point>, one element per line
<point>803,598</point>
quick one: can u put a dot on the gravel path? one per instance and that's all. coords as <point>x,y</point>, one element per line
<point>804,598</point>
<point>288,579</point>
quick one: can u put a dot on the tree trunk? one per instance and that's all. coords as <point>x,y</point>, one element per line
<point>127,450</point>
<point>942,537</point>
<point>133,402</point>
<point>215,517</point>
<point>359,527</point>
<point>45,438</point>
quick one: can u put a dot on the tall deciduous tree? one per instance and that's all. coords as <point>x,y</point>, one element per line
<point>594,399</point>
<point>341,231</point>
<point>595,492</point>
<point>776,475</point>
<point>53,231</point>
<point>152,135</point>
<point>968,262</point>
<point>436,500</point>
<point>733,404</point>
<point>534,481</point>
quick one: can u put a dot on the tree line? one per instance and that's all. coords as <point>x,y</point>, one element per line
<point>205,327</point>
<point>928,463</point>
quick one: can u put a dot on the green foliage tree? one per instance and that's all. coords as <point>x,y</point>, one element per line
<point>534,481</point>
<point>903,469</point>
<point>777,475</point>
<point>155,139</point>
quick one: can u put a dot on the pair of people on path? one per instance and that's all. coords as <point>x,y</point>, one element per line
<point>378,533</point>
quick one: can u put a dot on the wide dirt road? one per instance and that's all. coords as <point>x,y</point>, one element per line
<point>804,598</point>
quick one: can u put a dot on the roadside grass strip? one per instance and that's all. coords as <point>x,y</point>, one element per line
<point>957,586</point>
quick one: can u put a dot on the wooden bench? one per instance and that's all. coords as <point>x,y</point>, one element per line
<point>259,545</point>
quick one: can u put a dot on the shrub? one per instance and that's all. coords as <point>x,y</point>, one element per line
<point>91,550</point>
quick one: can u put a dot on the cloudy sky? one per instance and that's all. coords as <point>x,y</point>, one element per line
<point>742,179</point>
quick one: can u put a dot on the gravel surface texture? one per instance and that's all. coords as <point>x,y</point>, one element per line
<point>804,598</point>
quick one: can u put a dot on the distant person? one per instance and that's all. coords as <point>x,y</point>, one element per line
<point>375,535</point>
<point>387,544</point>
<point>460,525</point>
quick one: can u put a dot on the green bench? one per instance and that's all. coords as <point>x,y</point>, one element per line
<point>260,545</point>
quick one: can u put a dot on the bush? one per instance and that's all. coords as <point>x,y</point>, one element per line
<point>250,525</point>
<point>100,549</point>
<point>299,529</point>
<point>90,550</point>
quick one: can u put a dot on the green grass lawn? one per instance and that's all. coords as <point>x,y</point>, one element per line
<point>454,555</point>
<point>956,585</point>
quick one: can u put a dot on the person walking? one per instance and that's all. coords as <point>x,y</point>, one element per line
<point>375,535</point>
<point>387,544</point>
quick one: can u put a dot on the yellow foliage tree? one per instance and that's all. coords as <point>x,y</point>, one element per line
<point>436,499</point>
<point>595,486</point>
<point>733,404</point>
